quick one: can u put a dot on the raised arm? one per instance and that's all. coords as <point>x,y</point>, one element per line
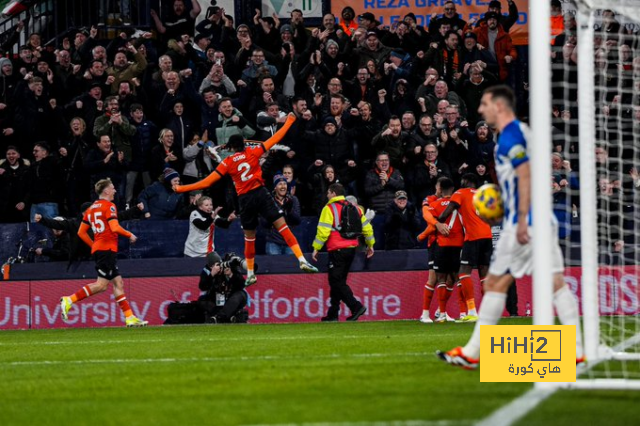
<point>205,183</point>
<point>277,137</point>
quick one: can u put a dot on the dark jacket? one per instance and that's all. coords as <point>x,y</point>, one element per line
<point>380,196</point>
<point>401,227</point>
<point>96,167</point>
<point>142,142</point>
<point>13,186</point>
<point>162,203</point>
<point>44,182</point>
<point>423,183</point>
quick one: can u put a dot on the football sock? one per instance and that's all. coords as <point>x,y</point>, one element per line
<point>462,303</point>
<point>427,295</point>
<point>567,309</point>
<point>441,289</point>
<point>491,310</point>
<point>250,253</point>
<point>124,305</point>
<point>291,241</point>
<point>83,293</point>
<point>467,289</point>
<point>482,285</point>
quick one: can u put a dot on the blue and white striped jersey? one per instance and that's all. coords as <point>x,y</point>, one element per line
<point>511,152</point>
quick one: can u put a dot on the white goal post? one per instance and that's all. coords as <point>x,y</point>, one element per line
<point>598,351</point>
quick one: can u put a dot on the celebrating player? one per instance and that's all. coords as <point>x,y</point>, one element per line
<point>102,217</point>
<point>513,252</point>
<point>447,258</point>
<point>254,199</point>
<point>478,242</point>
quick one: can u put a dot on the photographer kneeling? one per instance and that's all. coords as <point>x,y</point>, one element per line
<point>223,282</point>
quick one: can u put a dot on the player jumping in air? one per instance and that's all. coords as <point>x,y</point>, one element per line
<point>254,199</point>
<point>513,253</point>
<point>102,217</point>
<point>478,242</point>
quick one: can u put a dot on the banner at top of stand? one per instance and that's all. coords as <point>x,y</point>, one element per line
<point>389,11</point>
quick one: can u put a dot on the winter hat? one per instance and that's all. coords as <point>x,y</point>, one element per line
<point>170,174</point>
<point>5,61</point>
<point>285,28</point>
<point>279,177</point>
<point>471,35</point>
<point>398,53</point>
<point>495,4</point>
<point>213,258</point>
<point>411,15</point>
<point>330,43</point>
<point>329,120</point>
<point>491,15</point>
<point>481,124</point>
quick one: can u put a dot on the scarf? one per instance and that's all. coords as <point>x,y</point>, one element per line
<point>449,59</point>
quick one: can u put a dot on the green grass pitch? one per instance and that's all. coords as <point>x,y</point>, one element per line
<point>344,373</point>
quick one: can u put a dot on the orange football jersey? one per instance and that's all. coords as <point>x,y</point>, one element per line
<point>244,168</point>
<point>97,217</point>
<point>456,233</point>
<point>474,227</point>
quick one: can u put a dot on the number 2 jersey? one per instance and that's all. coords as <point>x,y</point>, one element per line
<point>99,217</point>
<point>244,169</point>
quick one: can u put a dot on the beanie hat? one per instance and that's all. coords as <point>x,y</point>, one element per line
<point>170,174</point>
<point>398,53</point>
<point>5,61</point>
<point>481,124</point>
<point>330,43</point>
<point>213,258</point>
<point>411,15</point>
<point>329,120</point>
<point>285,28</point>
<point>279,177</point>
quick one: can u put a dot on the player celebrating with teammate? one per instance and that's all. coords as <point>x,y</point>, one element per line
<point>102,218</point>
<point>447,257</point>
<point>255,200</point>
<point>478,242</point>
<point>513,252</point>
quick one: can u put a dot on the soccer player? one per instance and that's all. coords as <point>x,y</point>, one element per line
<point>432,227</point>
<point>513,253</point>
<point>478,241</point>
<point>254,199</point>
<point>447,259</point>
<point>102,218</point>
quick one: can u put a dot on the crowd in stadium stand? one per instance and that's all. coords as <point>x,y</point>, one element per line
<point>379,109</point>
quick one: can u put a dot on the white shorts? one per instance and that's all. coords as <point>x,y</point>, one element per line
<point>511,257</point>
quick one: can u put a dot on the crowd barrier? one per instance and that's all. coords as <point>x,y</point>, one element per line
<point>390,285</point>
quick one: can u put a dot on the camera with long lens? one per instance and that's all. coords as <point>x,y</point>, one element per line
<point>234,262</point>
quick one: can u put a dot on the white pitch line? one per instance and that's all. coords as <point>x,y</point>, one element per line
<point>210,359</point>
<point>516,409</point>
<point>203,339</point>
<point>381,423</point>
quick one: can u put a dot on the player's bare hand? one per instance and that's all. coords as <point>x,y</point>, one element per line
<point>442,228</point>
<point>133,239</point>
<point>523,233</point>
<point>314,255</point>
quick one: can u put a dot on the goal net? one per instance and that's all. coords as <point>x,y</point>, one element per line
<point>595,185</point>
